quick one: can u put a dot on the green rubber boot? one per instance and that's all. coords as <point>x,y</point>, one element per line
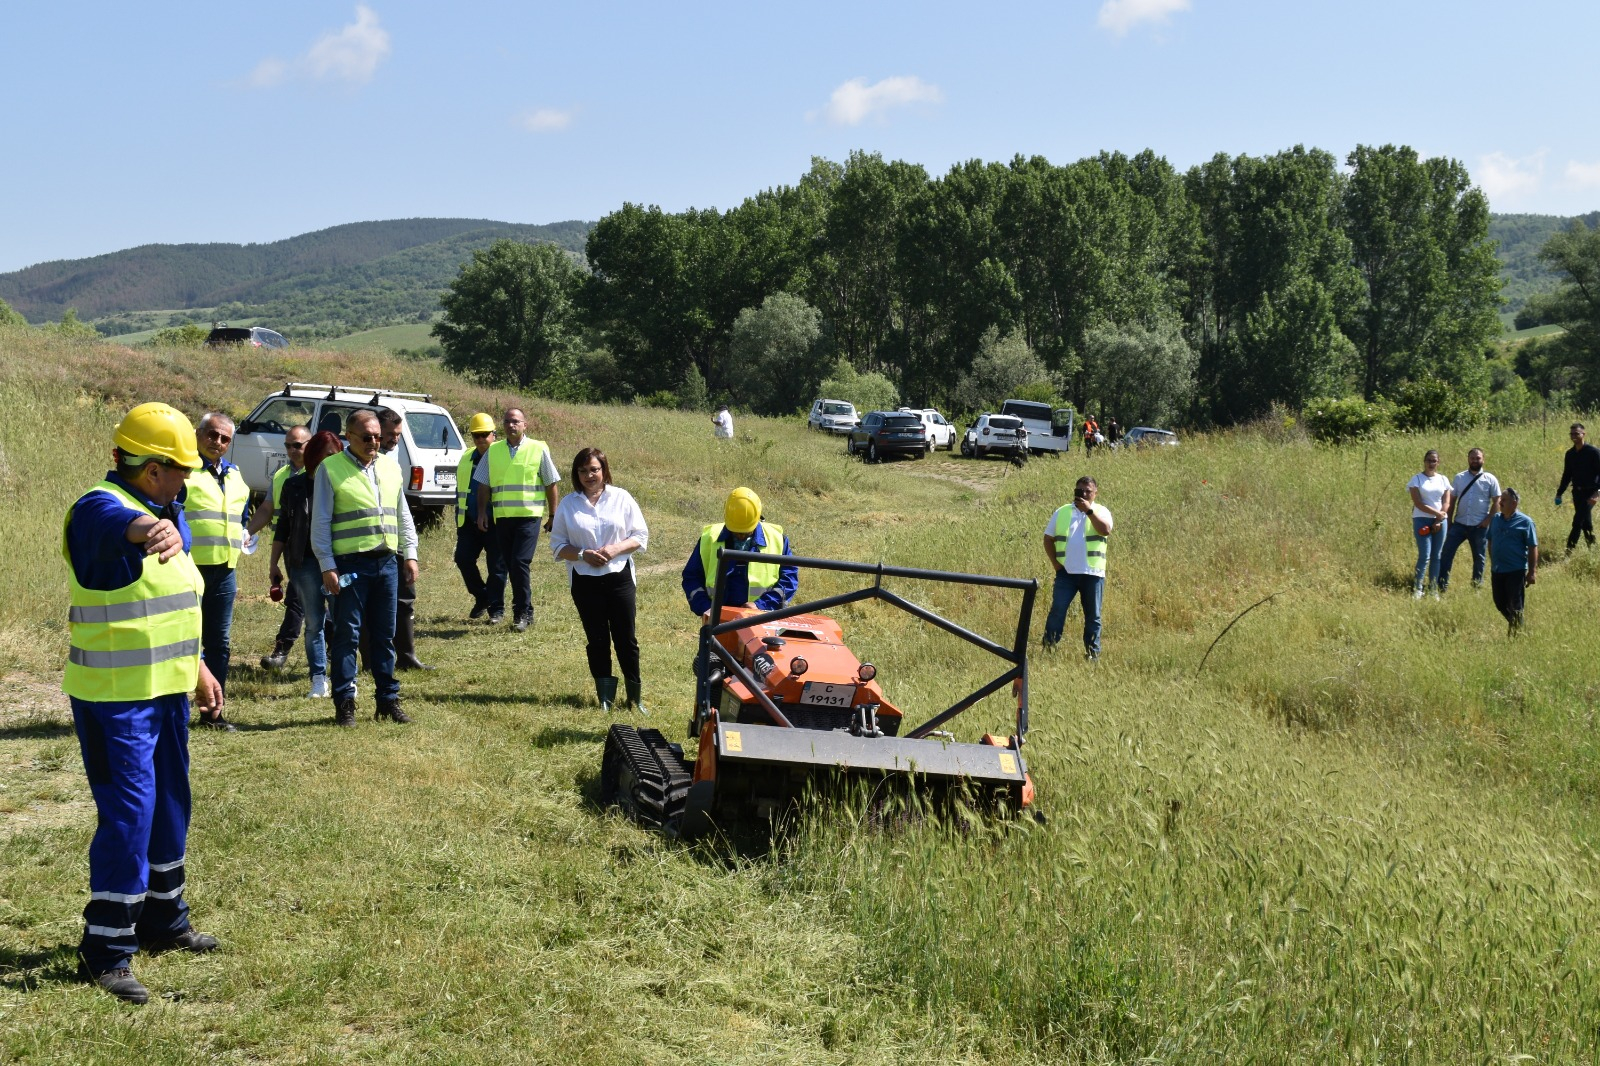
<point>605,689</point>
<point>633,696</point>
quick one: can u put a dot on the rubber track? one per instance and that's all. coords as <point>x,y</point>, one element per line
<point>661,777</point>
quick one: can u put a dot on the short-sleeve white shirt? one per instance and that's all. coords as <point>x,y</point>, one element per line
<point>1431,489</point>
<point>1077,560</point>
<point>1475,503</point>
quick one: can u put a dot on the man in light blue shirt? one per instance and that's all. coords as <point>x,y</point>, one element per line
<point>1514,552</point>
<point>1475,494</point>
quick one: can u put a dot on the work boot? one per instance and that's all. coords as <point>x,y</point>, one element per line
<point>216,721</point>
<point>479,609</point>
<point>190,940</point>
<point>633,695</point>
<point>279,656</point>
<point>405,646</point>
<point>119,982</point>
<point>605,690</point>
<point>390,709</point>
<point>344,711</point>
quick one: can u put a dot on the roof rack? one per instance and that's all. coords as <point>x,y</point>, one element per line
<point>354,391</point>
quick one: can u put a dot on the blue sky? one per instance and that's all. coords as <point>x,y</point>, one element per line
<point>131,124</point>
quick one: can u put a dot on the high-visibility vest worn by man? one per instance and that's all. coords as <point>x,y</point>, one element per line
<point>764,586</point>
<point>216,505</point>
<point>1075,543</point>
<point>134,635</point>
<point>517,488</point>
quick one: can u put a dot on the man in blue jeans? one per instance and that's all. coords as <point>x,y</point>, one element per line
<point>361,530</point>
<point>1075,544</point>
<point>1475,495</point>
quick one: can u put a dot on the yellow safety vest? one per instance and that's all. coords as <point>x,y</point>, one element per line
<point>139,641</point>
<point>515,490</point>
<point>762,577</point>
<point>216,516</point>
<point>463,487</point>
<point>279,476</point>
<point>365,517</point>
<point>1094,544</point>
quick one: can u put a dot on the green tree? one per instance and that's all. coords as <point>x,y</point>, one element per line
<point>71,328</point>
<point>1574,255</point>
<point>509,313</point>
<point>1419,235</point>
<point>10,317</point>
<point>692,394</point>
<point>1003,367</point>
<point>869,392</point>
<point>1142,376</point>
<point>776,355</point>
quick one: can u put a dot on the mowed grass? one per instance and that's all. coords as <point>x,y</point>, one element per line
<point>1364,831</point>
<point>412,336</point>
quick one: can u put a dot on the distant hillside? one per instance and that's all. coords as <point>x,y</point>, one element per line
<point>1520,237</point>
<point>354,276</point>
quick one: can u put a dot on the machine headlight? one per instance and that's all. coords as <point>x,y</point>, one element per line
<point>798,666</point>
<point>867,672</point>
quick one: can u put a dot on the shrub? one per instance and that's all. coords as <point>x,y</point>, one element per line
<point>692,393</point>
<point>188,335</point>
<point>1337,421</point>
<point>663,399</point>
<point>1434,404</point>
<point>869,392</point>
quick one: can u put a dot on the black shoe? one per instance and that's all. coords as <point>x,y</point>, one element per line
<point>344,711</point>
<point>390,709</point>
<point>496,617</point>
<point>279,656</point>
<point>523,622</point>
<point>190,940</point>
<point>478,611</point>
<point>119,982</point>
<point>217,722</point>
<point>409,661</point>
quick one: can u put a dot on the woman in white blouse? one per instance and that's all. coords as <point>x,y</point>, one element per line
<point>595,531</point>
<point>1430,506</point>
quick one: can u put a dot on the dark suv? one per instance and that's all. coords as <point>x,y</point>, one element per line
<point>883,432</point>
<point>255,336</point>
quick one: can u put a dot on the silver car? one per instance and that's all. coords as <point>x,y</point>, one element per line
<point>833,416</point>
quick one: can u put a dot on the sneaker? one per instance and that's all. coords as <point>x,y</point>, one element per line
<point>319,687</point>
<point>496,617</point>
<point>119,982</point>
<point>190,940</point>
<point>523,623</point>
<point>1434,594</point>
<point>1416,594</point>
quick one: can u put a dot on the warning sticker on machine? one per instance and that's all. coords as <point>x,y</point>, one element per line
<point>1008,762</point>
<point>733,741</point>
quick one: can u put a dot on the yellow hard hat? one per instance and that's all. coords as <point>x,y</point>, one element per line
<point>743,510</point>
<point>480,423</point>
<point>154,429</point>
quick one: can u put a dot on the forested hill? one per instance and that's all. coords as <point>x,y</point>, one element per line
<point>328,272</point>
<point>1520,237</point>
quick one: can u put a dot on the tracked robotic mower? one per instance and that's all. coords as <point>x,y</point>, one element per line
<point>782,702</point>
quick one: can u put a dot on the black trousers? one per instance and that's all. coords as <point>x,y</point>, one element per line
<point>294,615</point>
<point>1510,589</point>
<point>606,607</point>
<point>1582,517</point>
<point>472,542</point>
<point>518,538</point>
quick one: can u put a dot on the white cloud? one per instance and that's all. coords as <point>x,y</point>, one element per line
<point>1120,16</point>
<point>351,55</point>
<point>855,101</point>
<point>546,119</point>
<point>1504,178</point>
<point>1583,175</point>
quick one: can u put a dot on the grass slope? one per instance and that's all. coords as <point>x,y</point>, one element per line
<point>1364,831</point>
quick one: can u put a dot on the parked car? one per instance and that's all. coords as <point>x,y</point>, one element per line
<point>996,435</point>
<point>941,434</point>
<point>255,336</point>
<point>429,448</point>
<point>1146,437</point>
<point>833,416</point>
<point>1049,429</point>
<point>887,432</point>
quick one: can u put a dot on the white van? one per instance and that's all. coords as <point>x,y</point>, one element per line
<point>1049,430</point>
<point>429,448</point>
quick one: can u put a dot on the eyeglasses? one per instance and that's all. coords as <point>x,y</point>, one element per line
<point>370,438</point>
<point>297,445</point>
<point>218,436</point>
<point>475,436</point>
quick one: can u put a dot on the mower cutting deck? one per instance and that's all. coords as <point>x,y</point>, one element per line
<point>782,701</point>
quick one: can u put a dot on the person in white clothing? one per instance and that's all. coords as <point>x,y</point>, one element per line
<point>1075,544</point>
<point>1431,496</point>
<point>1476,495</point>
<point>722,423</point>
<point>596,532</point>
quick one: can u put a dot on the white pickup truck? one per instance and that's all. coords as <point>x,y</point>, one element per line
<point>429,448</point>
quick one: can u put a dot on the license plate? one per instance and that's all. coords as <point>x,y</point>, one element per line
<point>826,694</point>
<point>445,479</point>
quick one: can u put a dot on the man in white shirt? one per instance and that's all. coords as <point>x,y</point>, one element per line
<point>722,423</point>
<point>1075,544</point>
<point>1477,497</point>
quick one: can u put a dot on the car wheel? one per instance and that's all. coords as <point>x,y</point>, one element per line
<point>872,451</point>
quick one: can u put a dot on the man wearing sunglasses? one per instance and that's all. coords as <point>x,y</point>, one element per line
<point>294,443</point>
<point>366,545</point>
<point>217,505</point>
<point>488,597</point>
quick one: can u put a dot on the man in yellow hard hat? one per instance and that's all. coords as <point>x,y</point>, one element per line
<point>134,631</point>
<point>488,597</point>
<point>764,586</point>
<point>216,503</point>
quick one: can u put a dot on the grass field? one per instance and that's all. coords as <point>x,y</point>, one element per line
<point>412,336</point>
<point>1365,831</point>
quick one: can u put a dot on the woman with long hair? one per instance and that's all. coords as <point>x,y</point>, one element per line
<point>291,543</point>
<point>596,531</point>
<point>1430,508</point>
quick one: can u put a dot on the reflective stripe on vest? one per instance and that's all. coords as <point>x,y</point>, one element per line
<point>279,476</point>
<point>762,577</point>
<point>216,516</point>
<point>1094,544</point>
<point>464,486</point>
<point>365,517</point>
<point>515,490</point>
<point>139,641</point>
